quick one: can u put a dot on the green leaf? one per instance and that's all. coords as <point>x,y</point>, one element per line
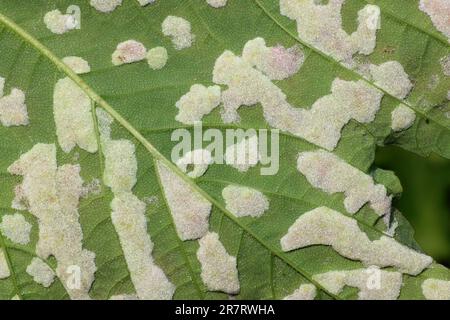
<point>142,103</point>
<point>389,179</point>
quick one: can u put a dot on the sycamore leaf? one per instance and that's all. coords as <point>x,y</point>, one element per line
<point>140,101</point>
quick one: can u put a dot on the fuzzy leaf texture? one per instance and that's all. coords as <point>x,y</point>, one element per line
<point>142,102</point>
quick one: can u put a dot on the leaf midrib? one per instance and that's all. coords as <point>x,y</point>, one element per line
<point>150,148</point>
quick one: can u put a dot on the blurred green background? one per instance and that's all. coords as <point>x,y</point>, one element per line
<point>425,201</point>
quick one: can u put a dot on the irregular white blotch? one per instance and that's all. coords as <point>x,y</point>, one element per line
<point>247,86</point>
<point>244,201</point>
<point>445,63</point>
<point>219,271</point>
<point>402,117</point>
<point>151,200</point>
<point>304,292</point>
<point>16,228</point>
<point>200,158</point>
<point>59,23</point>
<point>77,64</point>
<point>104,120</point>
<point>322,124</point>
<point>373,283</point>
<point>391,77</point>
<point>365,37</point>
<point>433,82</point>
<point>439,12</point>
<point>75,157</point>
<point>124,297</point>
<point>190,210</point>
<point>67,235</point>
<point>53,194</point>
<point>392,228</point>
<point>128,52</point>
<point>145,2</point>
<point>435,289</point>
<point>4,268</point>
<point>324,226</point>
<point>73,117</point>
<point>20,200</point>
<point>41,272</point>
<point>128,217</point>
<point>328,172</point>
<point>198,102</point>
<point>179,30</point>
<point>16,297</point>
<point>13,110</point>
<point>321,26</point>
<point>157,58</point>
<point>105,5</point>
<point>244,154</point>
<point>277,63</point>
<point>39,169</point>
<point>217,3</point>
<point>120,159</point>
<point>120,165</point>
<point>94,187</point>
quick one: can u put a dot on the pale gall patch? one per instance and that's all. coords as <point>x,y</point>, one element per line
<point>4,268</point>
<point>219,270</point>
<point>53,194</point>
<point>439,12</point>
<point>304,292</point>
<point>277,62</point>
<point>384,285</point>
<point>145,2</point>
<point>435,289</point>
<point>326,171</point>
<point>105,6</point>
<point>189,209</point>
<point>199,158</point>
<point>217,3</point>
<point>73,117</point>
<point>13,110</point>
<point>128,52</point>
<point>77,64</point>
<point>157,58</point>
<point>391,77</point>
<point>244,201</point>
<point>59,23</point>
<point>128,217</point>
